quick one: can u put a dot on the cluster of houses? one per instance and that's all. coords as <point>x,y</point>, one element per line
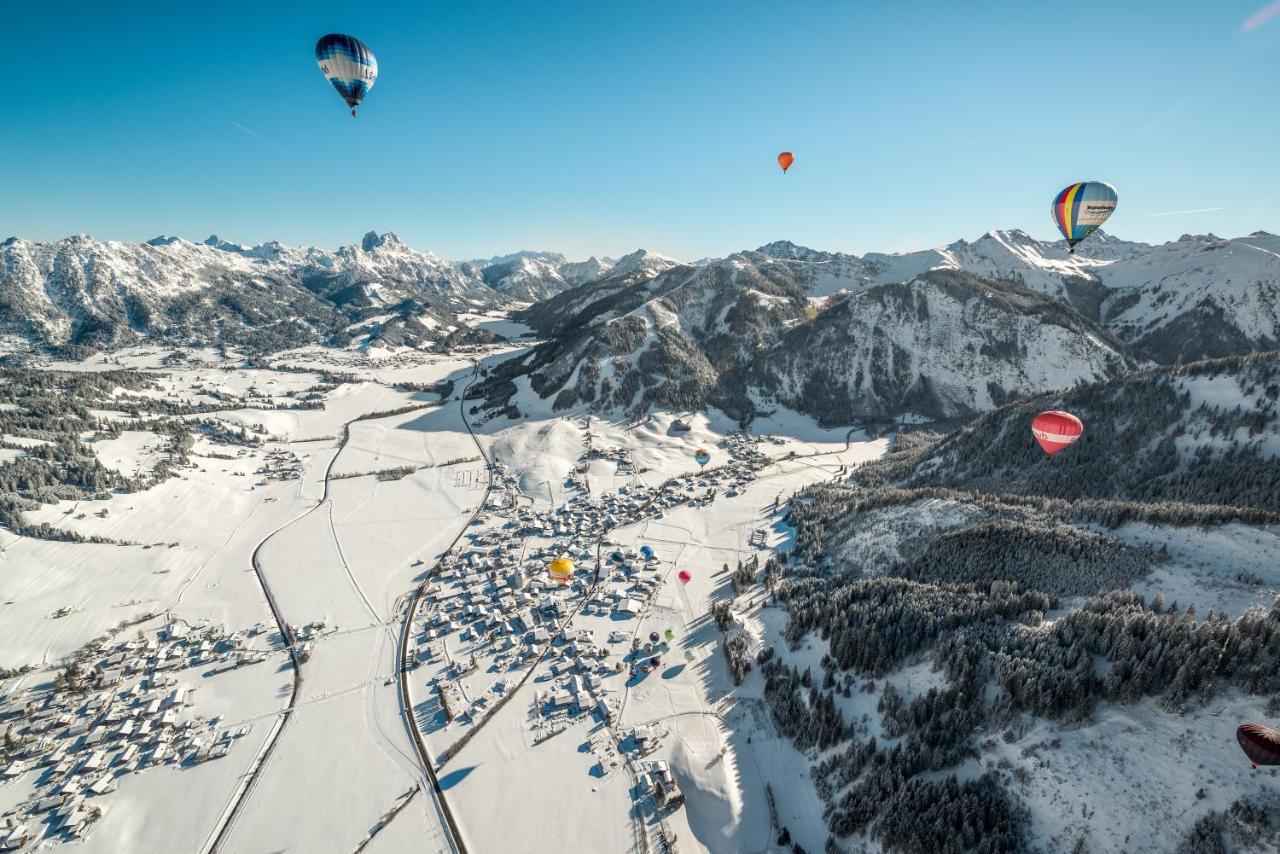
<point>655,778</point>
<point>117,708</point>
<point>492,610</point>
<point>280,464</point>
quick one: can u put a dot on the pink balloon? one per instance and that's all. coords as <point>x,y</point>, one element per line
<point>685,575</point>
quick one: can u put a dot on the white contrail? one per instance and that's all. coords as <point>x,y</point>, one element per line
<point>1261,17</point>
<point>1179,213</point>
<point>257,136</point>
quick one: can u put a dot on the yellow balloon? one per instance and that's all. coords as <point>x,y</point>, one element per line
<point>561,569</point>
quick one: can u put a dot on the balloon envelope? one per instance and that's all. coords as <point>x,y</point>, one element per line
<point>685,575</point>
<point>646,552</point>
<point>561,569</point>
<point>349,65</point>
<point>785,159</point>
<point>670,635</point>
<point>1055,430</point>
<point>702,456</point>
<point>1080,208</point>
<point>1260,743</point>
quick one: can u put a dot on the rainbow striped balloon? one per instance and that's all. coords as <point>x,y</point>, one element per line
<point>1081,208</point>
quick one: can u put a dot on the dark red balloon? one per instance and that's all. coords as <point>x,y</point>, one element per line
<point>1260,743</point>
<point>685,576</point>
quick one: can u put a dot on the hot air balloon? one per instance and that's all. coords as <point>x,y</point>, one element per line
<point>349,65</point>
<point>1080,208</point>
<point>685,576</point>
<point>646,552</point>
<point>702,456</point>
<point>653,637</point>
<point>688,655</point>
<point>785,159</point>
<point>669,635</point>
<point>561,569</point>
<point>1260,743</point>
<point>1055,430</point>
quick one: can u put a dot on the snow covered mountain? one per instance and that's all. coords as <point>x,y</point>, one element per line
<point>81,292</point>
<point>622,289</point>
<point>533,276</point>
<point>945,344</point>
<point>1194,298</point>
<point>1198,297</point>
<point>741,333</point>
<point>640,339</point>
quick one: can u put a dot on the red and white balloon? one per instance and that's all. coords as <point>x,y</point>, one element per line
<point>1056,430</point>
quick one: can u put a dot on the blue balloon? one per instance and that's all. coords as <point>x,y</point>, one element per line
<point>349,65</point>
<point>646,552</point>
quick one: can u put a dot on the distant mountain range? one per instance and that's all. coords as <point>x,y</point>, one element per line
<point>941,333</point>
<point>1197,297</point>
<point>81,294</point>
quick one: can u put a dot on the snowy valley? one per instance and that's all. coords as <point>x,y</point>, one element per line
<point>278,521</point>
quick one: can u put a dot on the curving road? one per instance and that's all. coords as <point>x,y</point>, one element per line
<point>406,631</point>
<point>241,796</point>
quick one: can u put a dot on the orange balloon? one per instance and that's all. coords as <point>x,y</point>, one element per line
<point>785,159</point>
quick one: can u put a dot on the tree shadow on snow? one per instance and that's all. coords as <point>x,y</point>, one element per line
<point>453,778</point>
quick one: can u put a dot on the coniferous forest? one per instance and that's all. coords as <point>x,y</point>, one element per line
<point>1010,577</point>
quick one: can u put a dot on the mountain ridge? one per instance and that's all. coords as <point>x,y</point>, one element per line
<point>1197,297</point>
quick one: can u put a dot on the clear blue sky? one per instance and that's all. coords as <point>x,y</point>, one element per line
<point>597,127</point>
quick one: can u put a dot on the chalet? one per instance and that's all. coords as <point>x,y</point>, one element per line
<point>124,756</point>
<point>103,783</point>
<point>96,761</point>
<point>14,835</point>
<point>629,607</point>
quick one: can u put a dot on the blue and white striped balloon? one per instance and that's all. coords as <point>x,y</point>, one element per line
<point>349,65</point>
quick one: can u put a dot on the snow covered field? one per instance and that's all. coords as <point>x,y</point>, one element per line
<point>339,552</point>
<point>340,532</point>
<point>341,511</point>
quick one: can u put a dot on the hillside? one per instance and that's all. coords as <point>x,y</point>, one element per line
<point>638,340</point>
<point>741,334</point>
<point>1194,298</point>
<point>626,284</point>
<point>944,345</point>
<point>1206,433</point>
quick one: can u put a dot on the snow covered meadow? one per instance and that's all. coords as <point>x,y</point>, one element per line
<point>335,513</point>
<point>367,578</point>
